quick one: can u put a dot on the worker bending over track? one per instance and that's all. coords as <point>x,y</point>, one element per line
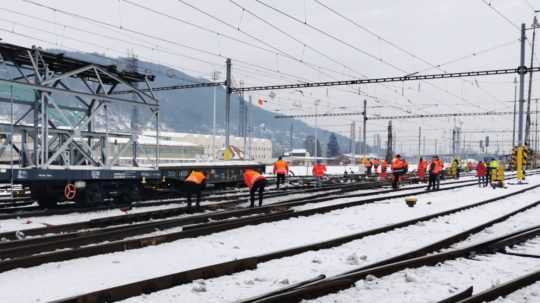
<point>194,183</point>
<point>256,183</point>
<point>281,169</point>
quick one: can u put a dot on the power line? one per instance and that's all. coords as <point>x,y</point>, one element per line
<point>394,45</point>
<point>372,56</point>
<point>398,117</point>
<point>125,29</point>
<point>114,38</point>
<point>391,79</point>
<point>76,40</point>
<point>313,66</point>
<point>357,49</point>
<point>501,14</point>
<point>304,44</point>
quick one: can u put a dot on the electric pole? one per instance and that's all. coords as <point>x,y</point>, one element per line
<point>364,145</point>
<point>228,92</point>
<point>389,151</point>
<point>528,118</point>
<point>522,71</point>
<point>419,142</point>
<point>514,121</point>
<point>353,143</point>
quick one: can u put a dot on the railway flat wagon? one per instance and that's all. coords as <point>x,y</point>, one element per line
<point>62,115</point>
<point>219,173</point>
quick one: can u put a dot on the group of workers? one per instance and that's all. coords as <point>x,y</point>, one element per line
<point>195,182</point>
<point>488,172</point>
<point>433,169</point>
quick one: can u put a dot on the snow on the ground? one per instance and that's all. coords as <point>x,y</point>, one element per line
<point>272,275</point>
<point>36,222</point>
<point>530,294</point>
<point>97,272</point>
<point>518,222</point>
<point>40,221</point>
<point>435,283</point>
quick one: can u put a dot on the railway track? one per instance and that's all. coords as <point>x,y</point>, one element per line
<point>228,268</point>
<point>170,212</point>
<point>36,211</point>
<point>160,214</point>
<point>32,252</point>
<point>424,257</point>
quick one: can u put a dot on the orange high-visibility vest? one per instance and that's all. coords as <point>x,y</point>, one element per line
<point>196,177</point>
<point>397,164</point>
<point>281,167</point>
<point>251,176</point>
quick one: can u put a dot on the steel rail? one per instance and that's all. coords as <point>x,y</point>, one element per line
<point>228,268</point>
<point>169,212</point>
<point>210,196</point>
<point>503,289</point>
<point>341,282</point>
<point>459,296</point>
<point>19,257</point>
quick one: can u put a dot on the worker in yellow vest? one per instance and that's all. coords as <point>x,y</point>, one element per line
<point>492,171</point>
<point>499,176</point>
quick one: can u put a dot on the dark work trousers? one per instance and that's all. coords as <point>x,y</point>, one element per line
<point>434,181</point>
<point>258,186</point>
<point>369,170</point>
<point>191,189</point>
<point>395,178</point>
<point>488,176</point>
<point>280,179</point>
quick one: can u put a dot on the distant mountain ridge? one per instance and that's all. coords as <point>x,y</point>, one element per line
<point>190,110</point>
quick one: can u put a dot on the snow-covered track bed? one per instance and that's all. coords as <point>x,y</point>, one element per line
<point>66,209</point>
<point>35,226</point>
<point>431,278</point>
<point>32,252</point>
<point>56,225</point>
<point>240,265</point>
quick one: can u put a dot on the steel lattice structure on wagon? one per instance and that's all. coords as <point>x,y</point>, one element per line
<point>59,100</point>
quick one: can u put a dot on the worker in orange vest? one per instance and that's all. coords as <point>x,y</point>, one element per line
<point>318,171</point>
<point>398,168</point>
<point>384,167</point>
<point>281,169</point>
<point>421,170</point>
<point>435,169</point>
<point>256,183</point>
<point>376,164</point>
<point>194,183</point>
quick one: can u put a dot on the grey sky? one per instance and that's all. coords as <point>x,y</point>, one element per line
<point>433,30</point>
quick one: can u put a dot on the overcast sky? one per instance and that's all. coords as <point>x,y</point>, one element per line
<point>389,38</point>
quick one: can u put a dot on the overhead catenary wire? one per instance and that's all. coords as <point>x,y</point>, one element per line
<point>129,30</point>
<point>381,60</point>
<point>392,44</point>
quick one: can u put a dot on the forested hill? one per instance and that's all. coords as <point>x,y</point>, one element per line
<point>190,110</point>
